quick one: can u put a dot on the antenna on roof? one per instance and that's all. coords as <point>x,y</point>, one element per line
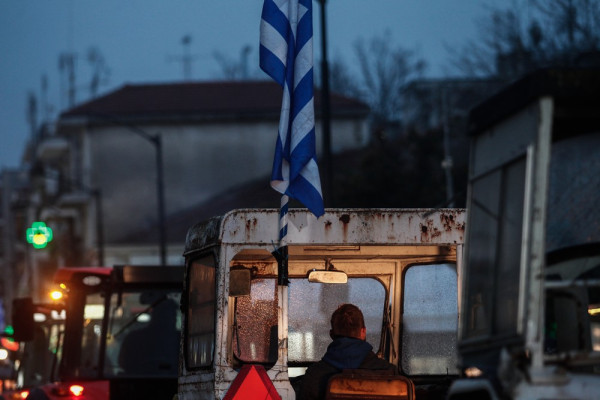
<point>186,59</point>
<point>66,65</point>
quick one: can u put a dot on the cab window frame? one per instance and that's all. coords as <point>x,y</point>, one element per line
<point>206,260</point>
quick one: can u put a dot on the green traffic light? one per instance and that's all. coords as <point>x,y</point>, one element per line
<point>9,330</point>
<point>39,235</point>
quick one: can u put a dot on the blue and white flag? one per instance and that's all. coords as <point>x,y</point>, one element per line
<point>286,55</point>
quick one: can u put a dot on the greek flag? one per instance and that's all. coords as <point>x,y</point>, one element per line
<point>286,55</point>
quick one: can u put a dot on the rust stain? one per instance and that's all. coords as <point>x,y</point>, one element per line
<point>424,234</point>
<point>449,223</point>
<point>345,219</point>
<point>250,225</point>
<point>428,231</point>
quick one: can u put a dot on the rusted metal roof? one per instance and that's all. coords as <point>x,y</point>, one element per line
<point>336,227</point>
<point>203,100</point>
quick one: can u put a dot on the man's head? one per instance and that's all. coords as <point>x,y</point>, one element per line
<point>348,321</point>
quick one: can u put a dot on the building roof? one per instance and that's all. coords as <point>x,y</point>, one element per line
<point>202,100</point>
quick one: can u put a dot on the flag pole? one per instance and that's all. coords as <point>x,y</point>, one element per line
<point>286,56</point>
<point>282,250</point>
<point>281,254</point>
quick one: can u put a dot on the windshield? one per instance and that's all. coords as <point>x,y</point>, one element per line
<point>573,237</point>
<point>310,308</point>
<point>143,334</point>
<point>573,309</point>
<point>573,212</point>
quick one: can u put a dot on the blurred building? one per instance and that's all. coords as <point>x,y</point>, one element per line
<point>14,197</point>
<point>93,175</point>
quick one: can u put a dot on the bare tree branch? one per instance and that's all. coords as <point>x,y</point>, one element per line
<point>385,71</point>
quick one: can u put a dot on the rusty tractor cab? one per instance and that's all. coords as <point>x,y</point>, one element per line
<point>400,267</point>
<point>531,287</point>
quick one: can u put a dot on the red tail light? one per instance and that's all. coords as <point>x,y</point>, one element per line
<point>76,390</point>
<point>16,395</point>
<point>72,390</point>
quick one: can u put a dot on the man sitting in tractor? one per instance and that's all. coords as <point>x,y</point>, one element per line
<point>348,350</point>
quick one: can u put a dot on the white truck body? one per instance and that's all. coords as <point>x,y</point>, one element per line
<point>531,294</point>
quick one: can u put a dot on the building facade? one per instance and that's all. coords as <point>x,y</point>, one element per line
<point>109,173</point>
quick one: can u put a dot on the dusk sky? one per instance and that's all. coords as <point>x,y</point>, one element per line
<point>141,42</point>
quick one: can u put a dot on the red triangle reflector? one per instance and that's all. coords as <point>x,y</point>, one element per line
<point>252,383</point>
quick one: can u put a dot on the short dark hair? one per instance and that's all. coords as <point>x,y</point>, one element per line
<point>347,320</point>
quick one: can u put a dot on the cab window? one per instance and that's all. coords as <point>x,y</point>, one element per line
<point>312,304</point>
<point>200,319</point>
<point>430,320</point>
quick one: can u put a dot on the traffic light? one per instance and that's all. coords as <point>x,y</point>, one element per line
<point>39,235</point>
<point>9,330</point>
<point>7,340</point>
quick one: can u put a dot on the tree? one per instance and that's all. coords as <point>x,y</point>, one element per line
<point>531,35</point>
<point>574,28</point>
<point>394,172</point>
<point>341,80</point>
<point>385,70</point>
<point>504,48</point>
<point>232,69</point>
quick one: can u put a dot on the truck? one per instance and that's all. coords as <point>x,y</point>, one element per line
<point>530,307</point>
<point>256,314</point>
<point>115,334</point>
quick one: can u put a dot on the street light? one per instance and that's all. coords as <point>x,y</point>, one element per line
<point>156,141</point>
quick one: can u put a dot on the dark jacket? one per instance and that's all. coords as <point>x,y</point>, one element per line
<point>343,353</point>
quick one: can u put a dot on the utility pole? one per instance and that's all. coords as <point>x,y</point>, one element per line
<point>447,162</point>
<point>325,113</point>
<point>9,246</point>
<point>66,66</point>
<point>187,58</point>
<point>244,62</point>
